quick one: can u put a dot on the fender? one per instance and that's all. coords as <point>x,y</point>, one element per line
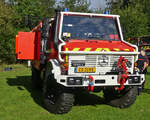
<point>56,70</point>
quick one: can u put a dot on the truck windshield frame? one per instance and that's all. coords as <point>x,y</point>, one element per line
<point>90,28</point>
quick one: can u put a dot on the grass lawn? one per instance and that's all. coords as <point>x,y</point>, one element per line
<point>19,102</point>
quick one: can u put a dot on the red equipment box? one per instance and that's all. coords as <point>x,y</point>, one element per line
<point>25,45</point>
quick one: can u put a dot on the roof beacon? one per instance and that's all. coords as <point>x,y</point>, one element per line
<point>107,12</point>
<point>65,9</point>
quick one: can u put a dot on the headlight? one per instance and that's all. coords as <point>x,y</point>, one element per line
<point>103,60</point>
<point>74,81</point>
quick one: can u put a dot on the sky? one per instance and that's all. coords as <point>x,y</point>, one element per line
<point>98,4</point>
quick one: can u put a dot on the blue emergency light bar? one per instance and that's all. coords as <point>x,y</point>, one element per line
<point>107,12</point>
<point>65,9</point>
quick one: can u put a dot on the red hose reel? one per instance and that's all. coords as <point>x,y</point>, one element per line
<point>121,78</point>
<point>124,75</point>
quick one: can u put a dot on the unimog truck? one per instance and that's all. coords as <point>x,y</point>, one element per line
<point>74,51</point>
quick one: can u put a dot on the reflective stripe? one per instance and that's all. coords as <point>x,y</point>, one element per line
<point>107,49</point>
<point>67,55</point>
<point>126,50</point>
<point>99,49</point>
<point>87,49</point>
<point>76,49</point>
<point>141,59</point>
<point>116,49</point>
<point>66,58</point>
<point>66,49</point>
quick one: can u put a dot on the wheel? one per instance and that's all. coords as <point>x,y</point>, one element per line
<point>36,79</point>
<point>57,99</point>
<point>122,99</point>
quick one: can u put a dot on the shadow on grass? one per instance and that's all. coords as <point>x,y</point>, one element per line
<point>82,99</point>
<point>86,98</point>
<point>146,91</point>
<point>24,82</point>
<point>148,73</point>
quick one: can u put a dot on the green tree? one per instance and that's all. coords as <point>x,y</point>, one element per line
<point>31,11</point>
<point>134,23</point>
<point>7,33</point>
<point>15,14</point>
<point>134,20</point>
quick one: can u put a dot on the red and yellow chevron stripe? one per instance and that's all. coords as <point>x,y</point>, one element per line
<point>100,49</point>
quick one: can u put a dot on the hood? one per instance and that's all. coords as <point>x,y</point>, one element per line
<point>93,45</point>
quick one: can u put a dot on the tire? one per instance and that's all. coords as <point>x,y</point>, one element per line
<point>97,89</point>
<point>123,99</point>
<point>57,99</point>
<point>36,79</point>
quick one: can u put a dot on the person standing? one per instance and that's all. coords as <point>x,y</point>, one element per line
<point>142,62</point>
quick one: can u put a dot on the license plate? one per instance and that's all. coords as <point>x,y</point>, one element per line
<point>85,69</point>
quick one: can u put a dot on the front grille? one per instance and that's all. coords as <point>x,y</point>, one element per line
<point>93,60</point>
<point>102,63</point>
<point>114,59</point>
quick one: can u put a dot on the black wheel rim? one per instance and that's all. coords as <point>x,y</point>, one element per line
<point>52,96</point>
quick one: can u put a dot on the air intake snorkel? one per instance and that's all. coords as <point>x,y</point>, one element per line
<point>56,29</point>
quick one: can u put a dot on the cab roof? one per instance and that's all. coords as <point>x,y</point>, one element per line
<point>89,14</point>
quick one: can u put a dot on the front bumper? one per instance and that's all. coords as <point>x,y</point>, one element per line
<point>99,80</point>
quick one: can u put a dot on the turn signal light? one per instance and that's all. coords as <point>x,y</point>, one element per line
<point>65,65</point>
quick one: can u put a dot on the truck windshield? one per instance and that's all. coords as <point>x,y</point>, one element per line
<point>90,28</point>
